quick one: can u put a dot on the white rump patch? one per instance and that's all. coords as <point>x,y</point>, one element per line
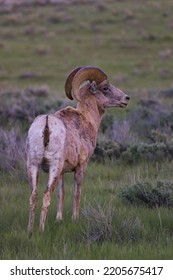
<point>55,147</point>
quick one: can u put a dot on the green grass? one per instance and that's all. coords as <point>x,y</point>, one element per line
<point>136,232</point>
<point>128,40</point>
<point>124,38</point>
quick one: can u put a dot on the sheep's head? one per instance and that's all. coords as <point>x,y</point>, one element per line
<point>98,85</point>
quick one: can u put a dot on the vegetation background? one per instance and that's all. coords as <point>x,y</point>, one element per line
<point>127,196</point>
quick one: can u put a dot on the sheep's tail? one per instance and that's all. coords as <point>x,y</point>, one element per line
<point>46,133</point>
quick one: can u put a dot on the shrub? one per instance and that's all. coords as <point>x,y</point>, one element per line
<point>139,194</point>
<point>161,136</point>
<point>110,150</point>
<point>147,116</point>
<point>107,122</point>
<point>130,229</point>
<point>164,193</point>
<point>121,139</point>
<point>12,151</point>
<point>143,193</point>
<point>98,223</point>
<point>152,152</point>
<point>27,104</point>
<point>103,223</point>
<point>168,93</point>
<point>106,149</point>
<point>122,133</point>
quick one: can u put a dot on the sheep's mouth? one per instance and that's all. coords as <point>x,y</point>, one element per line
<point>123,104</point>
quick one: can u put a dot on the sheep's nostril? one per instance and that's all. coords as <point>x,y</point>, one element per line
<point>127,97</point>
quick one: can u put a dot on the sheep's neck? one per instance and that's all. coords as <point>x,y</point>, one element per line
<point>91,112</point>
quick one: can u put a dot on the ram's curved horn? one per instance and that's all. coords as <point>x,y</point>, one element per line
<point>68,83</point>
<point>84,74</point>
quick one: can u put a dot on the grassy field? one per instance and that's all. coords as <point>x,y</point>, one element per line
<point>132,42</point>
<point>108,228</point>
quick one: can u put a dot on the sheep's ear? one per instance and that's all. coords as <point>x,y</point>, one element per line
<point>93,87</point>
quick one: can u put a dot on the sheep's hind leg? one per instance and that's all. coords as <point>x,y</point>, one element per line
<point>47,196</point>
<point>60,197</point>
<point>33,179</point>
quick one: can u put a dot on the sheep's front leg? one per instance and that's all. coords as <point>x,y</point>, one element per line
<point>61,194</point>
<point>78,178</point>
<point>33,178</point>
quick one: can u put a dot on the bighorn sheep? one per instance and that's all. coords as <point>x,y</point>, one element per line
<point>64,141</point>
